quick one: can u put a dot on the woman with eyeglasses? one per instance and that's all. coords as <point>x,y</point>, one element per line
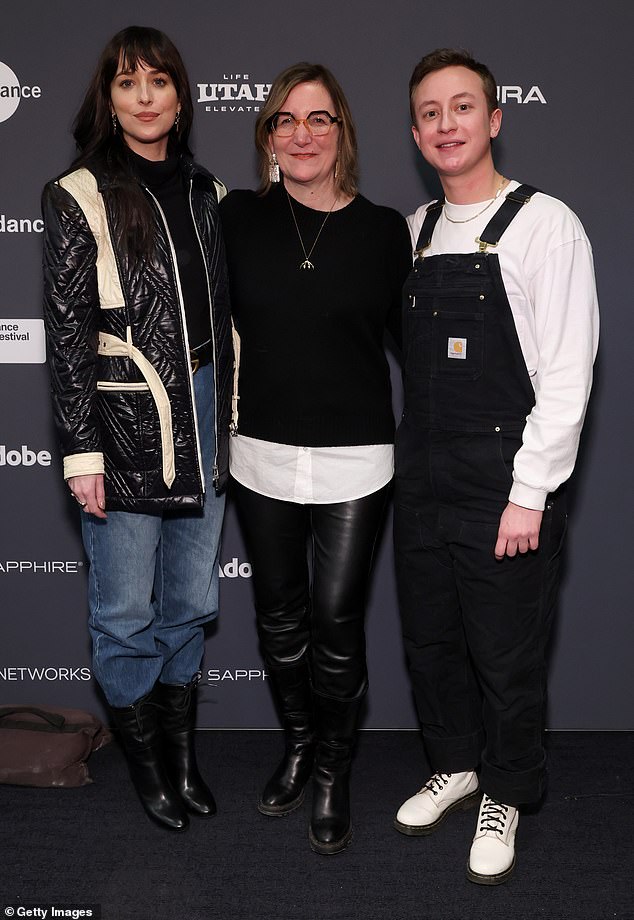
<point>315,276</point>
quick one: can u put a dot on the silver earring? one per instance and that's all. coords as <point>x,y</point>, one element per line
<point>114,123</point>
<point>177,120</point>
<point>274,169</point>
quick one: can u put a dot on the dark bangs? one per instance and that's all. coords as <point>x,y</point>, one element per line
<point>139,45</point>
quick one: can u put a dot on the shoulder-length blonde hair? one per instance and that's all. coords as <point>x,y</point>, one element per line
<point>347,161</point>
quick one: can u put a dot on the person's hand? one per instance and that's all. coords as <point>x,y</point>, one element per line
<point>518,531</point>
<point>90,493</point>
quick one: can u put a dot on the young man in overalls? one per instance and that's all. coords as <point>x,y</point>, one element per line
<point>500,332</point>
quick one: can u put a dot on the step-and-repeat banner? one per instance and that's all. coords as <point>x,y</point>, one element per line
<point>562,77</point>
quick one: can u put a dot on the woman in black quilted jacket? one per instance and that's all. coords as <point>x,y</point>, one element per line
<point>138,329</point>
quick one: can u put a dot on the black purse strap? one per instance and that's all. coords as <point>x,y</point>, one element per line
<point>53,721</point>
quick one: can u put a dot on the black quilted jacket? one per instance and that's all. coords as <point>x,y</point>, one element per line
<point>121,380</point>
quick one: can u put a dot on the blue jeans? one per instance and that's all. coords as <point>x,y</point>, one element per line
<point>153,582</point>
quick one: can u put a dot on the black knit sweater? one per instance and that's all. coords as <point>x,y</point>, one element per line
<point>313,370</point>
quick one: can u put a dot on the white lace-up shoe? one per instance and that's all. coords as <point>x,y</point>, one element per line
<point>492,857</point>
<point>445,792</point>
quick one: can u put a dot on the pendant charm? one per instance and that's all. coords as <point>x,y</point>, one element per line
<point>307,263</point>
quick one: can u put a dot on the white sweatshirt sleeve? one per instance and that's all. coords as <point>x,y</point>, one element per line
<point>563,294</point>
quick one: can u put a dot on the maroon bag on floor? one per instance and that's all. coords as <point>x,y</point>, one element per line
<point>44,746</point>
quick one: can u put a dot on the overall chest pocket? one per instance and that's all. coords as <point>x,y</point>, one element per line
<point>457,344</point>
<point>443,330</point>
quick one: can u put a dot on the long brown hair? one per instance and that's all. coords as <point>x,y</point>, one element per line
<point>347,157</point>
<point>96,139</point>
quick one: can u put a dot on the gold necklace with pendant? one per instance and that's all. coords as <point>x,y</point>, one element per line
<point>307,263</point>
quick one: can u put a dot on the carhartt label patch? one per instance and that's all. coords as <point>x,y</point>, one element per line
<point>456,348</point>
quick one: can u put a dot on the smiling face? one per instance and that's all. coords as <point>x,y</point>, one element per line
<point>306,160</point>
<point>453,126</point>
<point>145,102</point>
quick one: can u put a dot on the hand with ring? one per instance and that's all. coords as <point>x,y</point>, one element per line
<point>89,493</point>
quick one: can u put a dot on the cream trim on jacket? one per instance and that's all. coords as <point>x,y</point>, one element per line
<point>82,185</point>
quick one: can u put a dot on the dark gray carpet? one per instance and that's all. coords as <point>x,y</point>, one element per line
<point>575,856</point>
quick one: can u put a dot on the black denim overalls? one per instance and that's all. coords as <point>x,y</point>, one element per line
<point>475,629</point>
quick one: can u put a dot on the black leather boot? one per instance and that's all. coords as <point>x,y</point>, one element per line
<point>284,792</point>
<point>140,736</point>
<point>331,824</point>
<point>177,714</point>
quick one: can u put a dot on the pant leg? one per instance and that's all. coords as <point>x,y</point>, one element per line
<point>122,552</point>
<point>153,582</point>
<point>455,488</point>
<point>344,535</point>
<point>186,577</point>
<point>507,610</point>
<point>276,533</point>
<point>445,690</point>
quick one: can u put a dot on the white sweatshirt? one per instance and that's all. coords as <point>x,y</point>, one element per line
<point>547,269</point>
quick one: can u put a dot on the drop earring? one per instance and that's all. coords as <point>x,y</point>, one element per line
<point>274,169</point>
<point>114,123</point>
<point>177,120</point>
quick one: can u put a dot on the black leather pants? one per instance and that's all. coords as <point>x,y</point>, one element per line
<point>322,616</point>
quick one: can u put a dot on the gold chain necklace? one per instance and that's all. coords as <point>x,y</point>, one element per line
<point>485,208</point>
<point>307,263</point>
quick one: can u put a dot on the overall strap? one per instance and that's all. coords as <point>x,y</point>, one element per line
<point>433,212</point>
<point>513,204</point>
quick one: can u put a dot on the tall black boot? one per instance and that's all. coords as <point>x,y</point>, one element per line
<point>331,824</point>
<point>284,792</point>
<point>177,708</point>
<point>140,736</point>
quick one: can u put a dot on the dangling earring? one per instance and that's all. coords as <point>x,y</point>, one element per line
<point>274,169</point>
<point>336,176</point>
<point>177,120</point>
<point>114,123</point>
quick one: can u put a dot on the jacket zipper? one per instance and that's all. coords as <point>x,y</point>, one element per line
<point>185,335</point>
<point>213,336</point>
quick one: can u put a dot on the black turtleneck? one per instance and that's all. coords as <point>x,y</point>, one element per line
<point>164,180</point>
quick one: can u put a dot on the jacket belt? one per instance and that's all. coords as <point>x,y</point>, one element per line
<point>114,347</point>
